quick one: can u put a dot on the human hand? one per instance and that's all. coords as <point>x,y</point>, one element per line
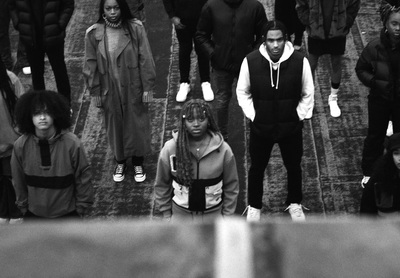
<point>97,101</point>
<point>177,22</point>
<point>147,96</point>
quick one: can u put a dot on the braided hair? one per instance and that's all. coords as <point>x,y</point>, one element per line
<point>7,92</point>
<point>183,162</point>
<point>387,8</point>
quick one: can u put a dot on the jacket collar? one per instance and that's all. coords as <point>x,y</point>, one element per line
<point>100,35</point>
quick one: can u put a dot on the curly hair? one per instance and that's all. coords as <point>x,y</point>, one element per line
<point>7,92</point>
<point>183,162</point>
<point>387,8</point>
<point>55,104</point>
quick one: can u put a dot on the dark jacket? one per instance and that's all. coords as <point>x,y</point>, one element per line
<point>228,30</point>
<point>187,10</point>
<point>374,68</point>
<point>275,106</point>
<point>56,15</point>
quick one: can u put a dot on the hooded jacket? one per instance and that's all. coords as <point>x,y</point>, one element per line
<point>228,30</point>
<point>374,68</point>
<point>344,14</point>
<point>51,178</point>
<point>56,15</point>
<point>216,169</point>
<point>277,109</point>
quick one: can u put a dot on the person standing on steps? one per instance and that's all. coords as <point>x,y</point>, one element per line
<point>119,72</point>
<point>378,68</point>
<point>227,31</point>
<point>327,23</point>
<point>184,15</point>
<point>275,91</point>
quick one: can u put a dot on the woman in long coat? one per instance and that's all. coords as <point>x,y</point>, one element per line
<point>119,71</point>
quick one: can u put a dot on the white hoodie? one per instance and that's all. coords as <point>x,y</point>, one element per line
<point>245,98</point>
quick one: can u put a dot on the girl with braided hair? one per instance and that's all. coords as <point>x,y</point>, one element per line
<point>10,89</point>
<point>379,69</point>
<point>196,172</point>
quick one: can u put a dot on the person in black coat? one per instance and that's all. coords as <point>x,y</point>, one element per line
<point>381,195</point>
<point>41,25</point>
<point>285,11</point>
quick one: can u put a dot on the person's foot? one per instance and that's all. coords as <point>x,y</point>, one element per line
<point>184,90</point>
<point>333,106</point>
<point>208,93</point>
<point>3,221</point>
<point>296,212</point>
<point>16,221</point>
<point>297,47</point>
<point>26,70</point>
<point>364,181</point>
<point>119,172</point>
<point>253,214</point>
<point>140,175</point>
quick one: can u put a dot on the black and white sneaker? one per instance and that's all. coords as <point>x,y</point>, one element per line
<point>140,175</point>
<point>119,172</point>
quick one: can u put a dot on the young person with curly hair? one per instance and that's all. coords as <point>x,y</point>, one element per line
<point>196,173</point>
<point>49,166</point>
<point>10,89</point>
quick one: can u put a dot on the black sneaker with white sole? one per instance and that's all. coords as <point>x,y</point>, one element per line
<point>119,172</point>
<point>140,175</point>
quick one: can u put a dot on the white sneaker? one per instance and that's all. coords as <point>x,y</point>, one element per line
<point>389,131</point>
<point>26,70</point>
<point>208,93</point>
<point>140,175</point>
<point>364,181</point>
<point>309,114</point>
<point>296,212</point>
<point>3,221</point>
<point>333,106</point>
<point>297,47</point>
<point>253,214</point>
<point>119,172</point>
<point>184,90</point>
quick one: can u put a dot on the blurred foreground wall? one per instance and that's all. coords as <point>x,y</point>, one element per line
<point>227,248</point>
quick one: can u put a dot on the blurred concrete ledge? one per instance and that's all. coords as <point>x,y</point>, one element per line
<point>350,247</point>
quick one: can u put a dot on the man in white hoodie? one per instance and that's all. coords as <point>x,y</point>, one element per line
<point>275,90</point>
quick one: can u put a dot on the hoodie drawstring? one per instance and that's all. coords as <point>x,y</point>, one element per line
<point>272,76</point>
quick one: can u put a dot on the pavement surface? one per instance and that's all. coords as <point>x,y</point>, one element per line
<point>332,146</point>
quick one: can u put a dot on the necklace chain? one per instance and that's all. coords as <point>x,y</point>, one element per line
<point>113,25</point>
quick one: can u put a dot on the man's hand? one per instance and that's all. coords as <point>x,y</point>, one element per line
<point>147,96</point>
<point>97,101</point>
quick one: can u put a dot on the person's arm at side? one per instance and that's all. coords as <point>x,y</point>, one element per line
<point>67,9</point>
<point>84,193</point>
<point>364,68</point>
<point>261,20</point>
<point>351,12</point>
<point>90,70</point>
<point>243,94</point>
<point>18,179</point>
<point>307,91</point>
<point>230,184</point>
<point>171,11</point>
<point>13,13</point>
<point>204,31</point>
<point>163,185</point>
<point>146,63</point>
<point>303,11</point>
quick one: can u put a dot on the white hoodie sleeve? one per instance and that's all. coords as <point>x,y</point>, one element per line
<point>243,94</point>
<point>307,91</point>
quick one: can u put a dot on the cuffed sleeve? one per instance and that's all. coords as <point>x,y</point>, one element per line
<point>243,94</point>
<point>307,91</point>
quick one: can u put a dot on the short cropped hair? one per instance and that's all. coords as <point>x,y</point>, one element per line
<point>53,103</point>
<point>275,25</point>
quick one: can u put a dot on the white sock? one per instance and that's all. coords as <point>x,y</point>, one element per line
<point>334,92</point>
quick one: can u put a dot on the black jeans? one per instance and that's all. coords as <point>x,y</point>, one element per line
<point>8,208</point>
<point>380,111</point>
<point>186,39</point>
<point>56,58</point>
<point>260,152</point>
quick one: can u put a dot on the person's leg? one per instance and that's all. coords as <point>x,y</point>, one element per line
<point>36,61</point>
<point>5,45</point>
<point>224,81</point>
<point>336,76</point>
<point>202,60</point>
<point>313,59</point>
<point>22,60</point>
<point>378,118</point>
<point>260,152</point>
<point>185,41</point>
<point>336,73</point>
<point>57,62</point>
<point>395,116</point>
<point>292,152</point>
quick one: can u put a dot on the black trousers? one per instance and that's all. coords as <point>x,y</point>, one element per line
<point>186,40</point>
<point>285,11</point>
<point>380,111</point>
<point>260,152</point>
<point>55,54</point>
<point>8,208</point>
